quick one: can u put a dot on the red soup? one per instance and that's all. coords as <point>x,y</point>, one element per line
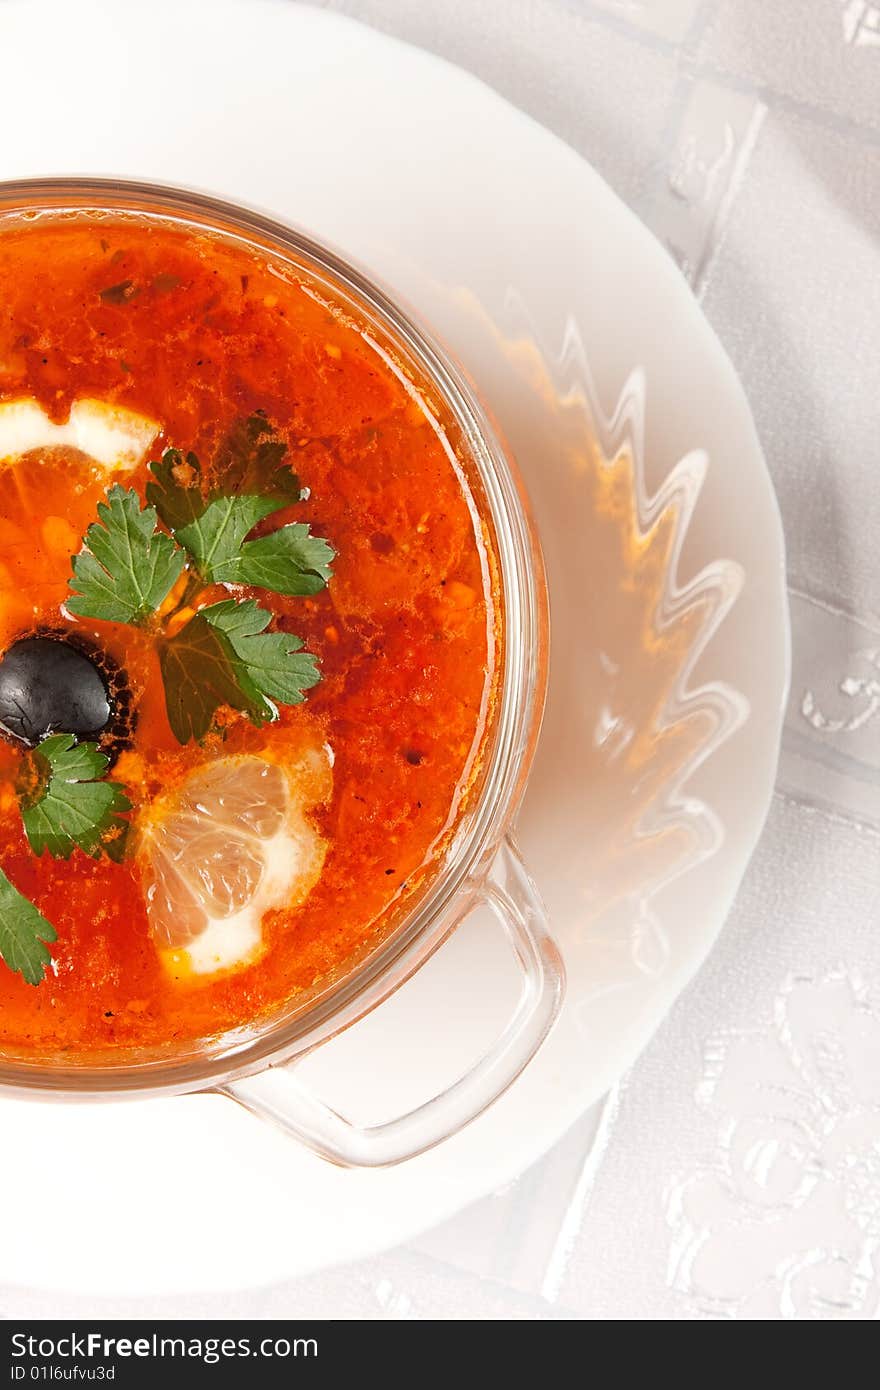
<point>248,634</point>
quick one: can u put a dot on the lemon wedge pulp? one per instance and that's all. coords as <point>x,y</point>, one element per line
<point>229,844</point>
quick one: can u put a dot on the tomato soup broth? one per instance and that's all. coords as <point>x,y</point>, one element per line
<point>181,337</point>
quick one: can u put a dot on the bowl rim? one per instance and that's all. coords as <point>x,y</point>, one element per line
<point>455,883</point>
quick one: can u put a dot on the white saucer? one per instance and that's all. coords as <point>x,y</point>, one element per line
<point>503,238</point>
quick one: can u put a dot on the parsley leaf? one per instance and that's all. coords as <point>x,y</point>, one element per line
<point>64,806</point>
<point>176,494</point>
<point>214,538</point>
<point>213,525</point>
<point>275,662</point>
<point>201,672</point>
<point>250,459</point>
<point>23,930</point>
<point>224,656</point>
<point>288,561</point>
<point>128,567</point>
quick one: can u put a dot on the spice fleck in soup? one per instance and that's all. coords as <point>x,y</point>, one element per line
<point>248,633</point>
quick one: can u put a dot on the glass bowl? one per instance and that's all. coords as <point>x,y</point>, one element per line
<point>480,867</point>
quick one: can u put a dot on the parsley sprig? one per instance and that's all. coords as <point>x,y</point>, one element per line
<point>213,525</point>
<point>64,803</point>
<point>24,934</point>
<point>127,566</point>
<point>222,655</point>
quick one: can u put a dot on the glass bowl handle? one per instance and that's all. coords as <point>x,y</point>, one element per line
<point>277,1094</point>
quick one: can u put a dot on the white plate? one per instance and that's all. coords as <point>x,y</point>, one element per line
<point>503,238</point>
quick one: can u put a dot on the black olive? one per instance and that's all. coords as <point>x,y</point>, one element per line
<point>49,686</point>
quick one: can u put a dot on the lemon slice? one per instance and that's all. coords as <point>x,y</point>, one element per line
<point>232,842</point>
<point>116,438</point>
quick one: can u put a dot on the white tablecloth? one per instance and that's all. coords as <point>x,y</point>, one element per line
<point>735,1172</point>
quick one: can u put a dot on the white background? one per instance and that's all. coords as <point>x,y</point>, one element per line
<point>735,1172</point>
